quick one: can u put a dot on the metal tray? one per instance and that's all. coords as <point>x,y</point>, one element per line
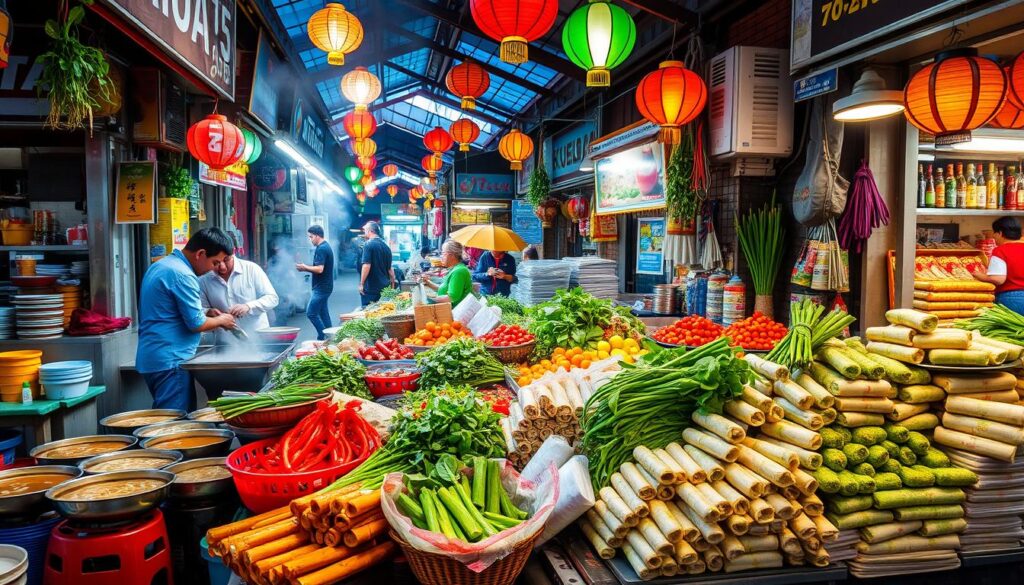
<point>971,369</point>
<point>220,368</point>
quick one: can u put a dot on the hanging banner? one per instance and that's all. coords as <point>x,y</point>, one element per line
<point>489,186</point>
<point>630,180</point>
<point>526,223</point>
<point>566,151</point>
<point>135,198</point>
<point>198,34</point>
<point>604,228</point>
<point>230,177</point>
<point>650,245</point>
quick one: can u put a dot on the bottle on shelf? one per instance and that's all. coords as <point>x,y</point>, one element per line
<point>971,198</point>
<point>921,184</point>
<point>1019,182</point>
<point>929,188</point>
<point>1001,185</point>
<point>961,187</point>
<point>940,188</point>
<point>992,188</point>
<point>950,186</point>
<point>981,200</point>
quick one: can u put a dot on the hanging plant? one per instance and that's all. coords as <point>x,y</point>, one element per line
<point>680,196</point>
<point>540,185</point>
<point>178,182</point>
<point>75,76</point>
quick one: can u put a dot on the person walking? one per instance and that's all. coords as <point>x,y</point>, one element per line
<point>171,317</point>
<point>1006,267</point>
<point>318,310</point>
<point>496,271</point>
<point>376,271</point>
<point>241,288</point>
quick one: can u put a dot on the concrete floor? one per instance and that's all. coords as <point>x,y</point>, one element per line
<point>344,299</point>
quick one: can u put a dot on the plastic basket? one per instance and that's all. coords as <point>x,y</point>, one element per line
<point>437,569</point>
<point>275,416</point>
<point>9,441</point>
<point>262,492</point>
<point>387,385</point>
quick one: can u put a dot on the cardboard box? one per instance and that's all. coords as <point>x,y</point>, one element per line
<point>438,313</point>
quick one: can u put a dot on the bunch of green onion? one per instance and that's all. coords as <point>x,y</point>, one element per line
<point>808,331</point>
<point>761,237</point>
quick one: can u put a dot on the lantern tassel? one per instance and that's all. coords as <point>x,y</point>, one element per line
<point>468,103</point>
<point>670,135</point>
<point>336,58</point>
<point>599,77</point>
<point>464,147</point>
<point>514,50</point>
<point>516,165</point>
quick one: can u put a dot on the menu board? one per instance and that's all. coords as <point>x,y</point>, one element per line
<point>526,223</point>
<point>136,192</point>
<point>650,245</point>
<point>630,180</point>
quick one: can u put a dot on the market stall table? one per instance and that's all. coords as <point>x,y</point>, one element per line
<point>54,419</point>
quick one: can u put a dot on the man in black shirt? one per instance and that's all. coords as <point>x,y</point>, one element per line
<point>318,310</point>
<point>376,271</point>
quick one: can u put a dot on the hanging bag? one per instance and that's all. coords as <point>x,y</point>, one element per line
<point>820,192</point>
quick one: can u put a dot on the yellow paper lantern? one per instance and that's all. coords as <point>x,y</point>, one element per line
<point>335,31</point>
<point>360,87</point>
<point>515,147</point>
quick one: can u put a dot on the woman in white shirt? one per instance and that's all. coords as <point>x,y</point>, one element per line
<point>241,288</point>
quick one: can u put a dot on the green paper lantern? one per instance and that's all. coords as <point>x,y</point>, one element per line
<point>598,37</point>
<point>357,188</point>
<point>253,146</point>
<point>353,174</point>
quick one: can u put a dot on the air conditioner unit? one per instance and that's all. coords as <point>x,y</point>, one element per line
<point>751,106</point>
<point>158,110</point>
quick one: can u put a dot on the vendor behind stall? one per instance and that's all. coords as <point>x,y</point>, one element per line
<point>1006,267</point>
<point>241,288</point>
<point>171,317</point>
<point>458,282</point>
<point>496,271</point>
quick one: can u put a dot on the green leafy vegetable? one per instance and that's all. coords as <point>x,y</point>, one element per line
<point>998,322</point>
<point>460,361</point>
<point>575,318</point>
<point>340,371</point>
<point>365,330</point>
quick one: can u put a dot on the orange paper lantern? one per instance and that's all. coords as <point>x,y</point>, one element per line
<point>432,164</point>
<point>392,191</point>
<point>515,147</point>
<point>367,163</point>
<point>359,124</point>
<point>361,198</point>
<point>468,81</point>
<point>670,97</point>
<point>465,132</point>
<point>438,141</point>
<point>1015,79</point>
<point>957,93</point>
<point>216,142</point>
<point>390,170</point>
<point>365,148</point>
<point>1009,117</point>
<point>360,87</point>
<point>336,31</point>
<point>366,180</point>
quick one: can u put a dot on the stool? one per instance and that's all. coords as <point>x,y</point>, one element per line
<point>136,553</point>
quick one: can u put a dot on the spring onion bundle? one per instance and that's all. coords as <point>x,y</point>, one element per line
<point>998,323</point>
<point>760,234</point>
<point>808,331</point>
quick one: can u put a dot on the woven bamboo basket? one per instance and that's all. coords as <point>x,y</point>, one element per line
<point>513,354</point>
<point>437,569</point>
<point>399,326</point>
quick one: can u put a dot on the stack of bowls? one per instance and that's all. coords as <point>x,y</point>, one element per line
<point>80,269</point>
<point>6,323</point>
<point>72,295</point>
<point>62,380</point>
<point>58,270</point>
<point>16,368</point>
<point>13,564</point>
<point>33,539</point>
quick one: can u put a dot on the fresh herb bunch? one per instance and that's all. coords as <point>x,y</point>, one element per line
<point>178,182</point>
<point>75,77</point>
<point>540,185</point>
<point>232,406</point>
<point>998,322</point>
<point>575,318</point>
<point>680,197</point>
<point>341,371</point>
<point>650,404</point>
<point>449,420</point>
<point>367,330</point>
<point>460,361</point>
<point>761,238</point>
<point>506,304</point>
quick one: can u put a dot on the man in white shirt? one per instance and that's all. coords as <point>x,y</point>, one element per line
<point>241,288</point>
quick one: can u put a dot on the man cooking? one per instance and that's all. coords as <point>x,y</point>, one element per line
<point>171,317</point>
<point>241,288</point>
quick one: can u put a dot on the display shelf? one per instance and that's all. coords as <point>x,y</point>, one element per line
<point>981,559</point>
<point>948,251</point>
<point>786,576</point>
<point>952,211</point>
<point>65,248</point>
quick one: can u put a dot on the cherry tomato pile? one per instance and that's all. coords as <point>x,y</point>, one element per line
<point>331,435</point>
<point>507,335</point>
<point>499,397</point>
<point>692,330</point>
<point>385,350</point>
<point>756,332</point>
<point>437,333</point>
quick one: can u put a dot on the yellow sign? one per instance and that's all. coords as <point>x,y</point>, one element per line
<point>135,201</point>
<point>171,232</point>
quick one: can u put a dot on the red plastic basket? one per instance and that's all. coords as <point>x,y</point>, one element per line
<point>381,386</point>
<point>262,492</point>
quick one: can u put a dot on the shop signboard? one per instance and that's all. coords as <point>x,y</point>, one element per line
<point>18,95</point>
<point>488,186</point>
<point>630,135</point>
<point>630,180</point>
<point>566,151</point>
<point>266,84</point>
<point>523,175</point>
<point>136,192</point>
<point>308,131</point>
<point>822,28</point>
<point>650,245</point>
<point>171,231</point>
<point>812,86</point>
<point>198,34</point>
<point>604,228</point>
<point>526,223</point>
<point>231,177</point>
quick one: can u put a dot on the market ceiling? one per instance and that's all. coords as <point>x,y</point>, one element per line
<point>410,45</point>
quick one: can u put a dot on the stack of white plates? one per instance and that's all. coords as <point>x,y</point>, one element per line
<point>6,323</point>
<point>39,316</point>
<point>58,270</point>
<point>5,294</point>
<point>80,268</point>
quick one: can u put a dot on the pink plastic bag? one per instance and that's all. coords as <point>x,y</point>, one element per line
<point>539,500</point>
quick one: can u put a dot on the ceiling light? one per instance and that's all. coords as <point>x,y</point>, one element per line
<point>869,100</point>
<point>481,206</point>
<point>991,144</point>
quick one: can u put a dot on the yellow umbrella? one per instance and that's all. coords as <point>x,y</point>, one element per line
<point>489,237</point>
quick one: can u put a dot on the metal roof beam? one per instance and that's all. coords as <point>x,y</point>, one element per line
<point>366,59</point>
<point>666,10</point>
<point>426,80</point>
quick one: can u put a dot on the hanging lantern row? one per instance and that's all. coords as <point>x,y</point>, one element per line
<point>359,125</point>
<point>336,31</point>
<point>514,23</point>
<point>360,87</point>
<point>515,147</point>
<point>598,37</point>
<point>365,148</point>
<point>438,141</point>
<point>390,170</point>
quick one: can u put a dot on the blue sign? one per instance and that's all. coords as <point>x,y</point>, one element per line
<point>525,223</point>
<point>650,245</point>
<point>811,86</point>
<point>308,130</point>
<point>567,150</point>
<point>484,186</point>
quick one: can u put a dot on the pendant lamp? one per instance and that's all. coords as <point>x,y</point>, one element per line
<point>515,147</point>
<point>468,81</point>
<point>432,164</point>
<point>365,148</point>
<point>955,94</point>
<point>367,163</point>
<point>336,31</point>
<point>216,142</point>
<point>598,37</point>
<point>360,87</point>
<point>514,23</point>
<point>1009,117</point>
<point>670,97</point>
<point>438,141</point>
<point>1015,78</point>
<point>869,100</point>
<point>465,132</point>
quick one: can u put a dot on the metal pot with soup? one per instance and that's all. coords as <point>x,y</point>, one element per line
<point>201,478</point>
<point>133,460</point>
<point>195,443</point>
<point>173,426</point>
<point>76,450</point>
<point>208,414</point>
<point>23,489</point>
<point>111,496</point>
<point>129,422</point>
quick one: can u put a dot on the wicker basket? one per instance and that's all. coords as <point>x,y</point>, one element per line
<point>399,326</point>
<point>513,354</point>
<point>437,569</point>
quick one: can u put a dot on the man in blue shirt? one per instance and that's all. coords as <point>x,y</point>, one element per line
<point>496,271</point>
<point>318,310</point>
<point>171,317</point>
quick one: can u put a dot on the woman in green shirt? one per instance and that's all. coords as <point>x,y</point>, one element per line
<point>458,282</point>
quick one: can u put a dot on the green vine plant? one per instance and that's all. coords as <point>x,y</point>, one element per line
<point>680,198</point>
<point>75,76</point>
<point>540,185</point>
<point>178,182</point>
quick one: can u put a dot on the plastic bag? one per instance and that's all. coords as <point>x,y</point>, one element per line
<point>555,450</point>
<point>575,496</point>
<point>484,321</point>
<point>537,499</point>
<point>466,310</point>
<point>419,295</point>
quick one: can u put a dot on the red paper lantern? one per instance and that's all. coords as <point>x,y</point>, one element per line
<point>392,191</point>
<point>670,97</point>
<point>367,163</point>
<point>1015,78</point>
<point>468,81</point>
<point>515,147</point>
<point>514,23</point>
<point>957,93</point>
<point>361,198</point>
<point>438,141</point>
<point>359,125</point>
<point>578,208</point>
<point>390,170</point>
<point>6,34</point>
<point>465,132</point>
<point>216,142</point>
<point>1009,117</point>
<point>432,164</point>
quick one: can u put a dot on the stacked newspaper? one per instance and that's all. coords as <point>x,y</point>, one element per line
<point>539,279</point>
